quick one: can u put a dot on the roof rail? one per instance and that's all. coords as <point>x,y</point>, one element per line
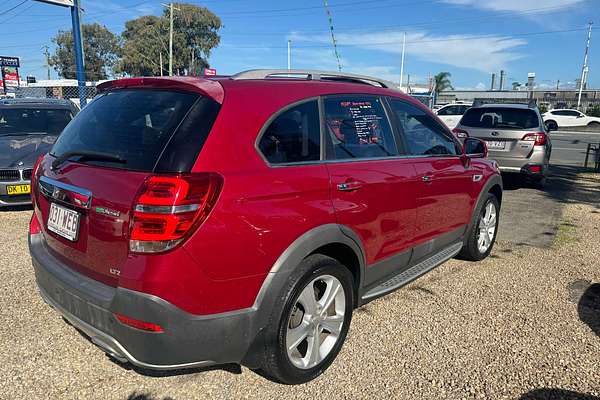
<point>313,75</point>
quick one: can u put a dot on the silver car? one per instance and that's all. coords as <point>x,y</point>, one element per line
<point>516,136</point>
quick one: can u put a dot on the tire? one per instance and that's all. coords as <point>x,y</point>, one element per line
<point>551,125</point>
<point>472,248</point>
<point>540,182</point>
<point>291,318</point>
<point>594,125</point>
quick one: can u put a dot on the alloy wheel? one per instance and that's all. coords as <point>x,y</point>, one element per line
<point>487,228</point>
<point>315,322</point>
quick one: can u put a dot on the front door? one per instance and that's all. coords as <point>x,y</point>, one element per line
<point>444,184</point>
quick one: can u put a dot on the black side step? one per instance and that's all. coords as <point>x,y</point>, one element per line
<point>414,272</point>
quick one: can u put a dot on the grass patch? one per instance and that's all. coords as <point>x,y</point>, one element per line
<point>566,233</point>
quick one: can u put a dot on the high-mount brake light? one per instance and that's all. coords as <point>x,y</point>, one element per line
<point>169,208</point>
<point>539,138</point>
<point>460,133</point>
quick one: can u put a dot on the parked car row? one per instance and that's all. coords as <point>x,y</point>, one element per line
<point>179,225</point>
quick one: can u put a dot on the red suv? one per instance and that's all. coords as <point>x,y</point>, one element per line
<point>185,222</point>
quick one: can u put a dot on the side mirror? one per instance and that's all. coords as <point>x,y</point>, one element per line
<point>474,148</point>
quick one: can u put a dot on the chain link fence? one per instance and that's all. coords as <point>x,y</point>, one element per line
<point>54,92</point>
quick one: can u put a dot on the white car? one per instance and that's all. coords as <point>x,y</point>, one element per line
<point>560,118</point>
<point>452,113</point>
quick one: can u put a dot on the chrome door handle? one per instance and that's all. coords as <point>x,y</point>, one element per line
<point>426,178</point>
<point>349,186</point>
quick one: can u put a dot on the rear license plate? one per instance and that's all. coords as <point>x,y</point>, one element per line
<point>496,145</point>
<point>63,222</point>
<point>15,190</point>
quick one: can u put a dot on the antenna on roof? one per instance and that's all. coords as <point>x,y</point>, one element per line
<point>335,50</point>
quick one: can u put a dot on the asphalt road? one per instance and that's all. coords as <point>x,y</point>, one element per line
<point>568,148</point>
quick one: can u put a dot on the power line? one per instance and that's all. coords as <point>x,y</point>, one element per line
<point>12,8</point>
<point>505,36</point>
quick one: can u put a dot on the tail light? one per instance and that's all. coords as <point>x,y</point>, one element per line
<point>539,138</point>
<point>460,133</point>
<point>170,208</point>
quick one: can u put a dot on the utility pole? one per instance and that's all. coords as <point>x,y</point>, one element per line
<point>47,54</point>
<point>171,9</point>
<point>289,54</point>
<point>79,57</point>
<point>585,69</point>
<point>161,63</point>
<point>402,62</point>
<point>557,84</point>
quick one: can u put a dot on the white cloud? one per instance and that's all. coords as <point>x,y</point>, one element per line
<point>486,54</point>
<point>517,5</point>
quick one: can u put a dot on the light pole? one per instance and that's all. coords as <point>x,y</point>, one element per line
<point>75,6</point>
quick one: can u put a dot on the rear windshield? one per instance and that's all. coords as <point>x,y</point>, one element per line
<point>33,120</point>
<point>500,117</point>
<point>135,125</point>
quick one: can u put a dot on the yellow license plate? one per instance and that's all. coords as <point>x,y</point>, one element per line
<point>13,190</point>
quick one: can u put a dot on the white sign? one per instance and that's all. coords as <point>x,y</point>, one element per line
<point>63,3</point>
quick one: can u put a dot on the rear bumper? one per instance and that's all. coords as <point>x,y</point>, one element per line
<point>187,341</point>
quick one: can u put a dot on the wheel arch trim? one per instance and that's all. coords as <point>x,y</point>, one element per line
<point>307,244</point>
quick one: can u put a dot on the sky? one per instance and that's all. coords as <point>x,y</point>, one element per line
<point>471,39</point>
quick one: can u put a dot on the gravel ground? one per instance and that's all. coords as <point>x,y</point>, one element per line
<point>523,324</point>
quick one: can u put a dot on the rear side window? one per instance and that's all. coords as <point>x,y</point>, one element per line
<point>134,124</point>
<point>500,117</point>
<point>358,127</point>
<point>422,133</point>
<point>293,136</point>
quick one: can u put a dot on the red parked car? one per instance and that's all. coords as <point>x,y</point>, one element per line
<point>185,222</point>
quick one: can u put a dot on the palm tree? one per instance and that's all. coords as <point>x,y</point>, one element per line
<point>442,82</point>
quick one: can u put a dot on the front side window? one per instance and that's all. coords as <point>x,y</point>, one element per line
<point>293,136</point>
<point>357,127</point>
<point>450,110</point>
<point>422,134</point>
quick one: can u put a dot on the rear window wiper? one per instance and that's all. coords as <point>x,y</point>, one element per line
<point>88,155</point>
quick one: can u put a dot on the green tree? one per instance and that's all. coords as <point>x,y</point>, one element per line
<point>442,82</point>
<point>195,34</point>
<point>101,50</point>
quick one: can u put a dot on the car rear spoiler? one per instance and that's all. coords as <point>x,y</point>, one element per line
<point>205,87</point>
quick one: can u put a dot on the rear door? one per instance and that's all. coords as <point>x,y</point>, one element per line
<point>443,185</point>
<point>84,204</point>
<point>503,129</point>
<point>372,186</point>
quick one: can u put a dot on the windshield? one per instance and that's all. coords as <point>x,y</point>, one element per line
<point>500,117</point>
<point>25,121</point>
<point>134,125</point>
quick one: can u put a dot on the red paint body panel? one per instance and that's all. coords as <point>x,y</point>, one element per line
<point>382,211</point>
<point>261,210</point>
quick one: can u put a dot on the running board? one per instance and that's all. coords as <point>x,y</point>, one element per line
<point>414,272</point>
